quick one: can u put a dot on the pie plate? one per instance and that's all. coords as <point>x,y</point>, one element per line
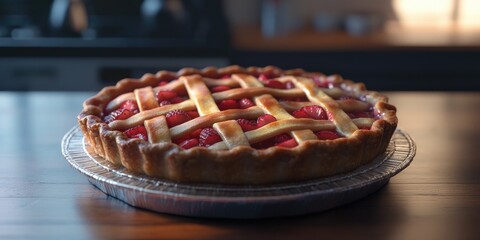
<point>240,202</point>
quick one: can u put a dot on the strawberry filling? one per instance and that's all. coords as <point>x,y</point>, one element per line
<point>193,114</point>
<point>162,83</point>
<point>178,100</point>
<point>196,133</point>
<point>130,105</point>
<point>246,124</point>
<point>166,95</point>
<point>288,144</point>
<point>289,85</point>
<point>275,84</point>
<point>265,119</point>
<point>126,109</point>
<point>225,76</point>
<point>137,132</point>
<point>282,138</point>
<point>220,88</point>
<point>177,117</point>
<point>228,104</point>
<point>312,111</point>
<point>189,143</point>
<point>208,137</point>
<point>263,77</point>
<point>300,114</point>
<point>323,82</point>
<point>119,114</point>
<point>205,137</point>
<point>327,135</point>
<point>264,144</point>
<point>166,81</point>
<point>164,103</point>
<point>245,103</point>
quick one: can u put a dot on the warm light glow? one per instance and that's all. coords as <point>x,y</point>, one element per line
<point>438,14</point>
<point>469,14</point>
<point>424,13</point>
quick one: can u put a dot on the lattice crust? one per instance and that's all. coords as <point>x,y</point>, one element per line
<point>311,158</point>
<point>232,135</point>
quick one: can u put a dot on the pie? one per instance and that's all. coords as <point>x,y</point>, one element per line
<point>237,125</point>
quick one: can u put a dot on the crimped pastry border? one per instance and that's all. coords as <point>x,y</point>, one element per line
<point>241,165</point>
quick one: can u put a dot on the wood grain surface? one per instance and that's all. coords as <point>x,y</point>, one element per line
<point>436,197</point>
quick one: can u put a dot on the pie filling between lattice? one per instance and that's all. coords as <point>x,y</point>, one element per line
<point>176,118</point>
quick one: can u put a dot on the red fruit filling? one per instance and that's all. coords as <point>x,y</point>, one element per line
<point>196,133</point>
<point>119,114</point>
<point>265,119</point>
<point>323,82</point>
<point>181,92</point>
<point>220,88</point>
<point>263,77</point>
<point>177,117</point>
<point>193,114</point>
<point>226,76</point>
<point>208,137</point>
<point>288,144</point>
<point>275,84</point>
<point>228,104</point>
<point>247,125</point>
<point>137,132</point>
<point>300,114</point>
<point>164,102</point>
<point>264,144</point>
<point>330,116</point>
<point>177,100</point>
<point>320,82</point>
<point>315,112</point>
<point>180,140</point>
<point>327,135</point>
<point>282,138</point>
<point>165,95</point>
<point>189,143</point>
<point>245,103</point>
<point>127,109</point>
<point>130,105</point>
<point>289,85</point>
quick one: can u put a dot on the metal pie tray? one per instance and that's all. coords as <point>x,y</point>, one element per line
<point>241,202</point>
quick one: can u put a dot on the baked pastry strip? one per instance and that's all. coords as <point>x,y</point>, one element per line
<point>157,130</point>
<point>288,125</point>
<point>146,99</point>
<point>177,85</point>
<point>344,124</point>
<point>271,106</point>
<point>231,133</point>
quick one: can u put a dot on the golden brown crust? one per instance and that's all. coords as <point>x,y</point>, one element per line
<point>243,164</point>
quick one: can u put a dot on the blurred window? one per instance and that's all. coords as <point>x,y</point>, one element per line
<point>464,14</point>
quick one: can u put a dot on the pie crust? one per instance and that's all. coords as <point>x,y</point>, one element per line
<point>235,161</point>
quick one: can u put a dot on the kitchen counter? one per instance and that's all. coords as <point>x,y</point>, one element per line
<point>436,197</point>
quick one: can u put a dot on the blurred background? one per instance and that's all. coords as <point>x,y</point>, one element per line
<point>77,45</point>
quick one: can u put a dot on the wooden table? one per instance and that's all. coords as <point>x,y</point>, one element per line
<point>436,197</point>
